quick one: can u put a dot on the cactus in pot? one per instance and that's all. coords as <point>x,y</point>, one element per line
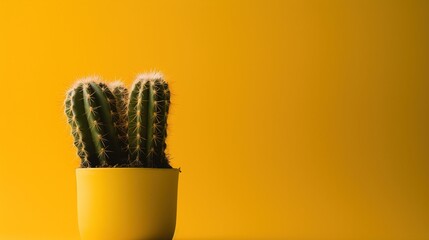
<point>92,112</point>
<point>120,137</point>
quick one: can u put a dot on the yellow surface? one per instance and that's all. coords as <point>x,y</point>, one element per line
<point>290,119</point>
<point>126,203</point>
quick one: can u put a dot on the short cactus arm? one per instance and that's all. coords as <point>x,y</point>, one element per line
<point>121,99</point>
<point>115,115</point>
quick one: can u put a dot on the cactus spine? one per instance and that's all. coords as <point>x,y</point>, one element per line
<point>147,121</point>
<point>92,113</point>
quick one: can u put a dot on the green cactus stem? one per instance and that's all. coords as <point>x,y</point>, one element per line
<point>147,121</point>
<point>92,114</point>
<point>121,98</point>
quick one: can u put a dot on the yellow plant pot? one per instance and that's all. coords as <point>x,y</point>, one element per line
<point>126,203</point>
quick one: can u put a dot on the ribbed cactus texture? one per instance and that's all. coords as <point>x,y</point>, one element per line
<point>121,98</point>
<point>92,112</point>
<point>147,121</point>
<point>116,128</point>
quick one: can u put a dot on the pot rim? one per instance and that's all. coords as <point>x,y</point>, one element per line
<point>127,168</point>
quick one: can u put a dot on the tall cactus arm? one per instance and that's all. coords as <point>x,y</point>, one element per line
<point>136,126</point>
<point>150,123</point>
<point>80,129</point>
<point>148,112</point>
<point>99,116</point>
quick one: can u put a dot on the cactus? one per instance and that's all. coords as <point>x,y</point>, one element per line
<point>92,113</point>
<point>121,96</point>
<point>148,107</point>
<point>112,128</point>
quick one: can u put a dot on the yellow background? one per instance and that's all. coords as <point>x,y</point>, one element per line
<point>290,119</point>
